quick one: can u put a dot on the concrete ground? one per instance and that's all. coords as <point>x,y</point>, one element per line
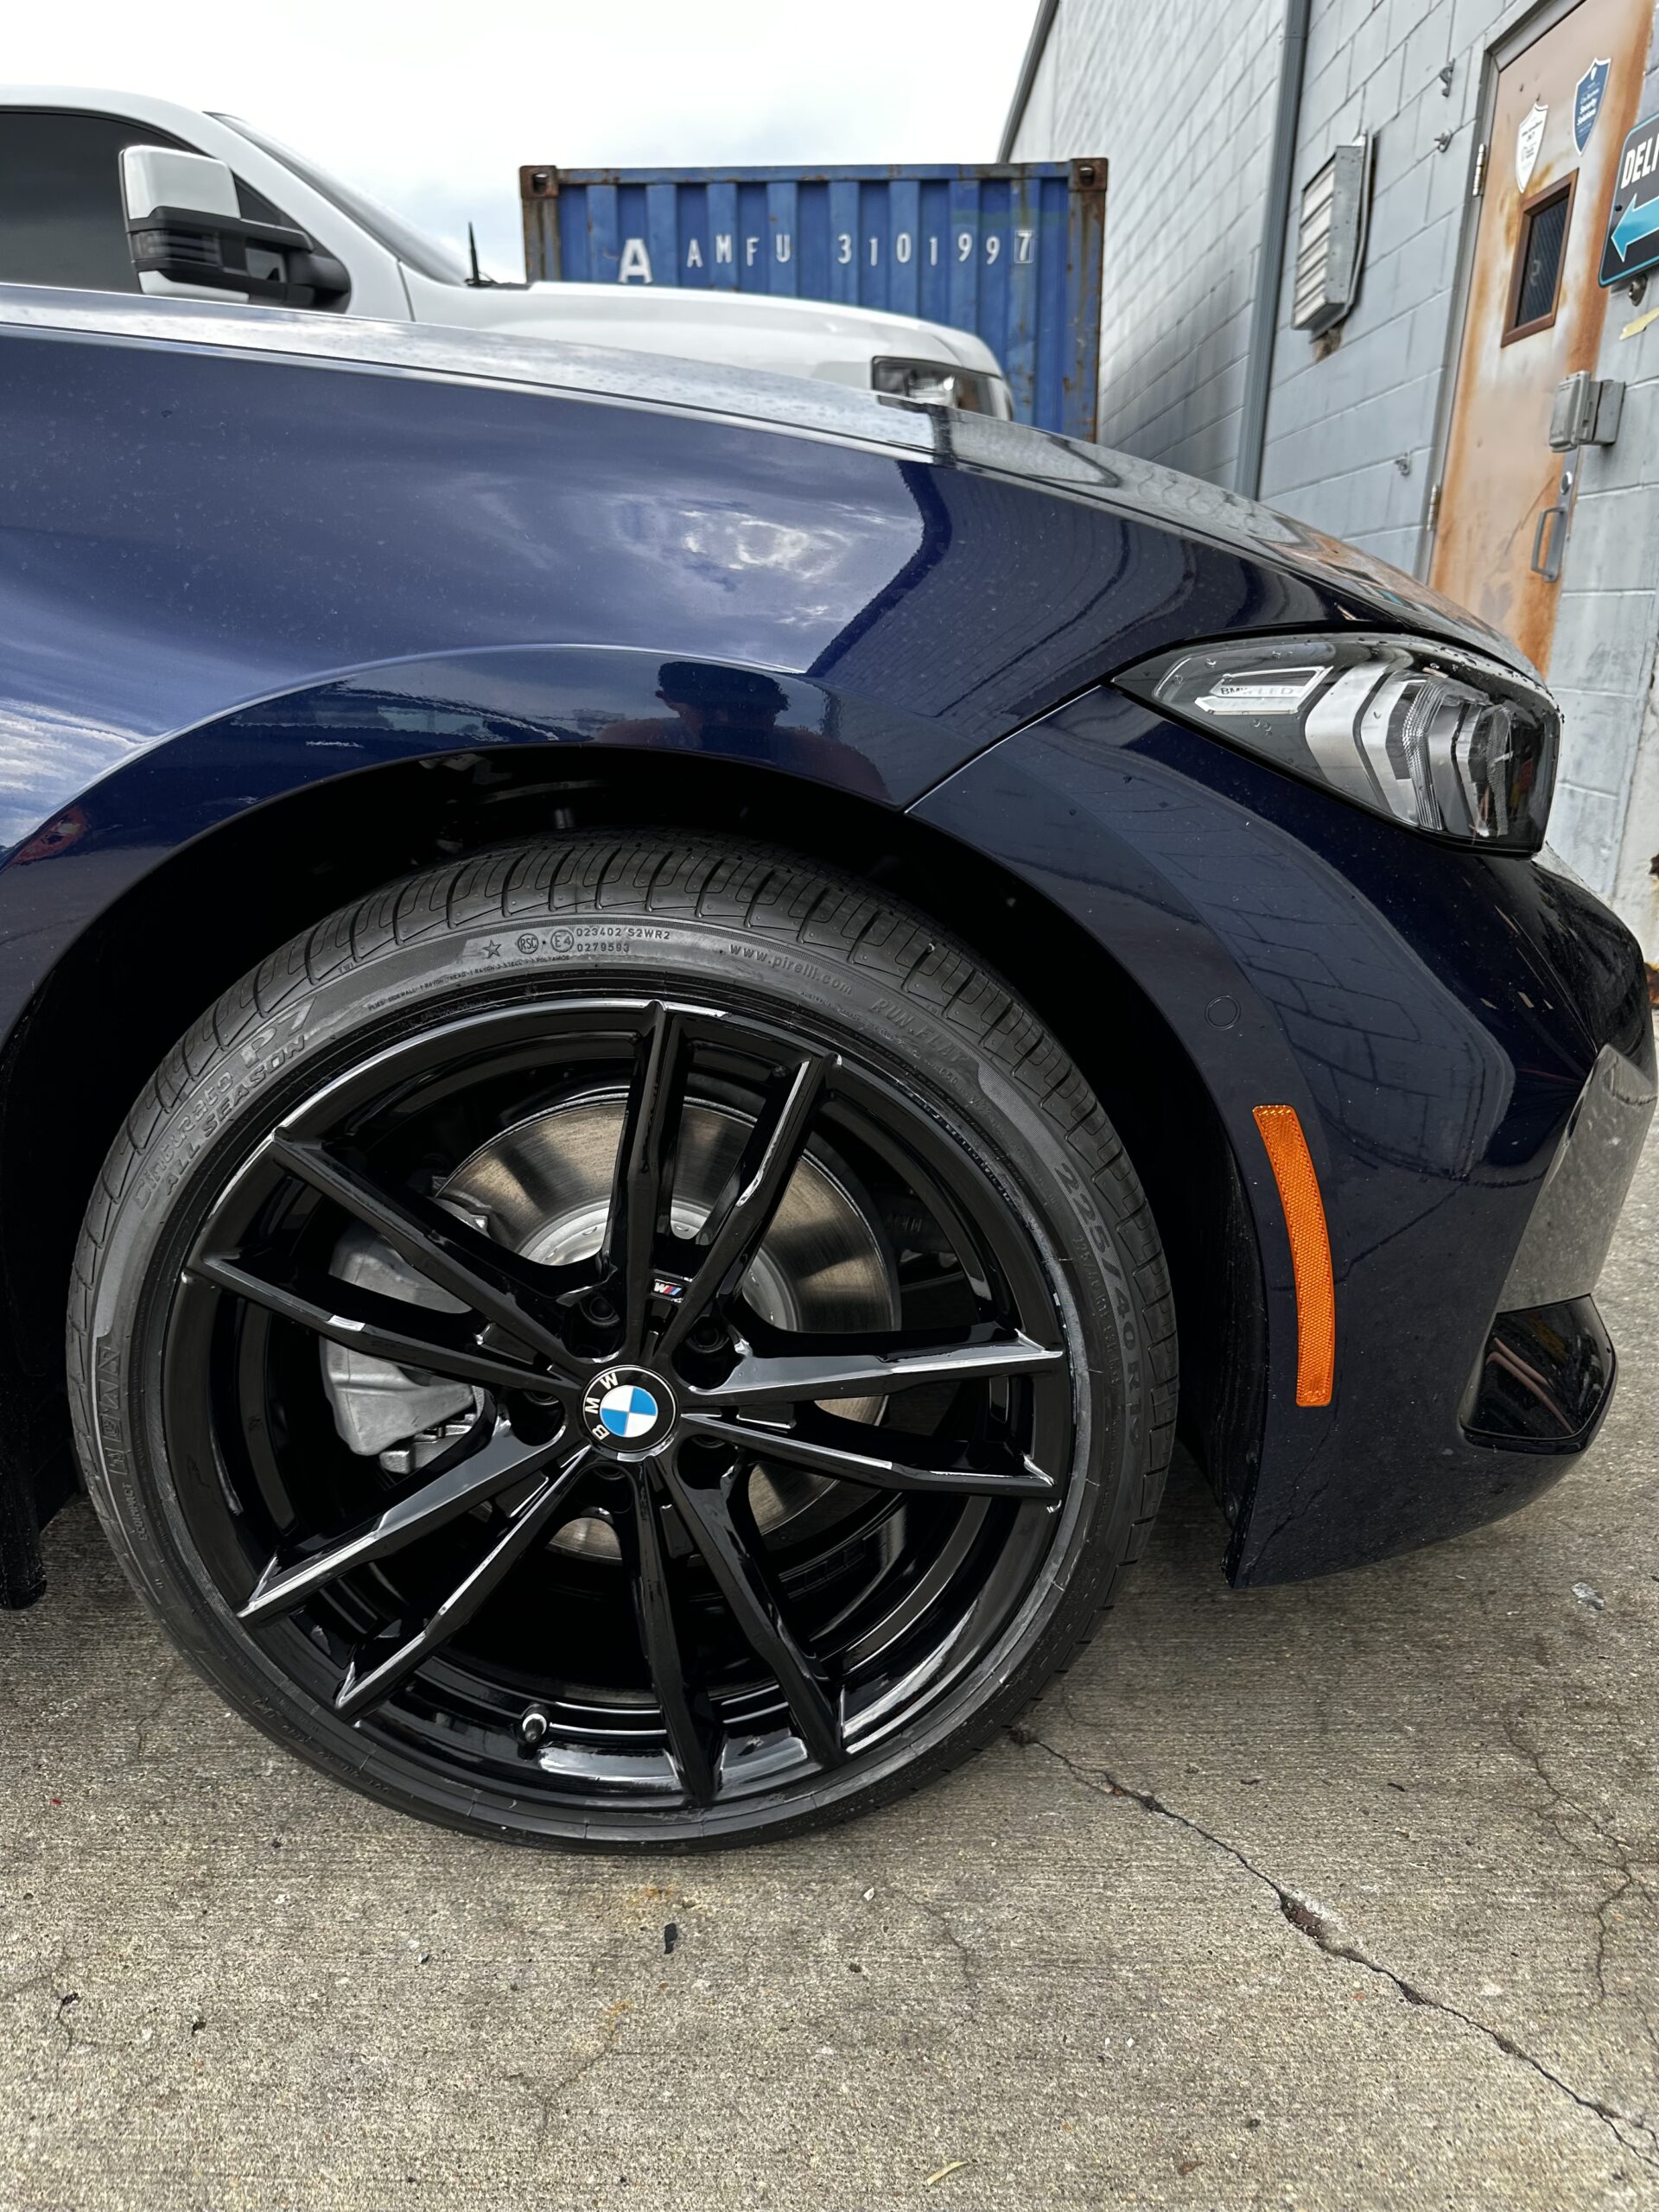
<point>1330,1897</point>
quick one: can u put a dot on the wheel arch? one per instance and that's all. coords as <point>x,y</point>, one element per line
<point>319,846</point>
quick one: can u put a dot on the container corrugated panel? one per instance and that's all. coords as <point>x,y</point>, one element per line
<point>1010,251</point>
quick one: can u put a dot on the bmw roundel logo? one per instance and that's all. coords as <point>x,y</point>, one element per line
<point>623,1407</point>
<point>628,1411</point>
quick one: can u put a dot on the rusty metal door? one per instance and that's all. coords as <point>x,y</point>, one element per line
<point>1534,312</point>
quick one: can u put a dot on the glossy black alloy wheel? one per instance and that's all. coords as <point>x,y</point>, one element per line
<point>625,1415</point>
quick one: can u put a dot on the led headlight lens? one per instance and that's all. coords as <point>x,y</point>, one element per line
<point>938,385</point>
<point>1442,739</point>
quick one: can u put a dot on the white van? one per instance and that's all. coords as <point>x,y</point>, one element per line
<point>213,208</point>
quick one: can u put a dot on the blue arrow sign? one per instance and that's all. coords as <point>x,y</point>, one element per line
<point>1640,221</point>
<point>1630,242</point>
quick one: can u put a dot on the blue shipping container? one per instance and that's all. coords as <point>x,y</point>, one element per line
<point>1009,250</point>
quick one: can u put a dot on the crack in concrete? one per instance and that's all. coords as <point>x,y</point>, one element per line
<point>176,1677</point>
<point>65,2001</point>
<point>548,2095</point>
<point>1598,1964</point>
<point>31,1981</point>
<point>941,1919</point>
<point>1616,1855</point>
<point>1311,1920</point>
<point>1561,1805</point>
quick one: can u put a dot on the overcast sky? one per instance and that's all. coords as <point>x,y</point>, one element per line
<point>433,107</point>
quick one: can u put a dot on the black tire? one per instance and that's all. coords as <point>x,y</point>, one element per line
<point>882,996</point>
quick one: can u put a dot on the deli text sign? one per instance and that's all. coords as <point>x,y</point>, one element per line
<point>1632,244</point>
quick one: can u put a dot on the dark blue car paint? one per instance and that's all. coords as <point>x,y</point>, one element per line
<point>1432,1016</point>
<point>186,531</point>
<point>226,576</point>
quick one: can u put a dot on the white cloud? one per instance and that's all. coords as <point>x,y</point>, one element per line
<point>432,108</point>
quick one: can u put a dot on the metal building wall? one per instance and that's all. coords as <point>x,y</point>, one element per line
<point>1606,814</point>
<point>1350,436</point>
<point>1180,97</point>
<point>1351,429</point>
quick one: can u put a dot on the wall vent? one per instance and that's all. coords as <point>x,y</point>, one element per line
<point>1330,238</point>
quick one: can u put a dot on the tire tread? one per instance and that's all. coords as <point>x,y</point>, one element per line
<point>769,894</point>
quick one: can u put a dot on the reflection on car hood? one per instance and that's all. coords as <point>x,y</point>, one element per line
<point>1184,505</point>
<point>1201,510</point>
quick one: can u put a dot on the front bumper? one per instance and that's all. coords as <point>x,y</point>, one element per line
<point>1546,1378</point>
<point>1467,1041</point>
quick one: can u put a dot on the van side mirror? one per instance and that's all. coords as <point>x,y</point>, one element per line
<point>188,239</point>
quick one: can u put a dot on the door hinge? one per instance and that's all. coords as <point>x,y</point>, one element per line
<point>1434,515</point>
<point>1479,186</point>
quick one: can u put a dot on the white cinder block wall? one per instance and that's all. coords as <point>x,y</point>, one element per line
<point>1603,665</point>
<point>1179,100</point>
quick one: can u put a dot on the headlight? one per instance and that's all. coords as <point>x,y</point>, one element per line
<point>1442,739</point>
<point>939,384</point>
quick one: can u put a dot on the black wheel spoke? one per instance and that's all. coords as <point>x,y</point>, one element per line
<point>496,1466</point>
<point>838,1449</point>
<point>410,1336</point>
<point>783,1378</point>
<point>644,1156</point>
<point>772,1157</point>
<point>690,1735</point>
<point>492,1281</point>
<point>718,1522</point>
<point>371,1684</point>
<point>679,1529</point>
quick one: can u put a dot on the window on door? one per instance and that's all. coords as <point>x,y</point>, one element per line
<point>1540,257</point>
<point>61,220</point>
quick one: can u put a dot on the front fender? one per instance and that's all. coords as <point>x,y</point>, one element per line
<point>1432,1016</point>
<point>92,851</point>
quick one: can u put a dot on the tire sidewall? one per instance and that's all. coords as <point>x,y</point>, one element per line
<point>318,1029</point>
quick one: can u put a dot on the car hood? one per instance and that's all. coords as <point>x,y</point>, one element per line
<point>1197,508</point>
<point>779,335</point>
<point>664,308</point>
<point>1369,588</point>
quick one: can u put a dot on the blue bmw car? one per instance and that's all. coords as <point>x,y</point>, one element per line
<point>661,1029</point>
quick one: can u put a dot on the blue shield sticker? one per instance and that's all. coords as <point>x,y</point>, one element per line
<point>1586,101</point>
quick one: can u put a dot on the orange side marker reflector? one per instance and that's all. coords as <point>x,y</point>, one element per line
<point>1310,1252</point>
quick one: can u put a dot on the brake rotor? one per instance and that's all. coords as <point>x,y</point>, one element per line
<point>543,1188</point>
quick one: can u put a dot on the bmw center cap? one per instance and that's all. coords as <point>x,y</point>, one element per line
<point>626,1409</point>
